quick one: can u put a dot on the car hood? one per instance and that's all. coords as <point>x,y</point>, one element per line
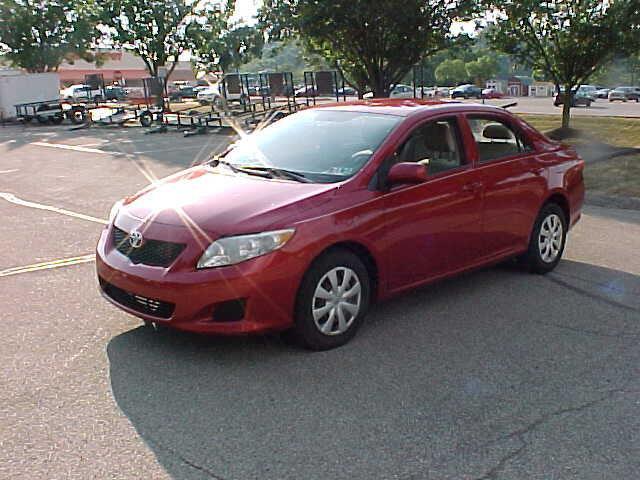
<point>222,203</point>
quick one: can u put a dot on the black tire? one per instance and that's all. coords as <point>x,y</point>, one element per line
<point>146,119</point>
<point>57,119</point>
<point>42,120</point>
<point>305,332</point>
<point>77,116</point>
<point>533,258</point>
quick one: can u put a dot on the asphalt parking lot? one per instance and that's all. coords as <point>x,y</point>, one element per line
<point>497,374</point>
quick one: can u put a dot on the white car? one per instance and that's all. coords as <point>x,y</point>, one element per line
<point>212,95</point>
<point>399,91</point>
<point>81,92</point>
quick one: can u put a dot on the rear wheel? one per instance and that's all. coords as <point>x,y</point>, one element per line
<point>77,116</point>
<point>332,301</point>
<point>146,119</point>
<point>547,239</point>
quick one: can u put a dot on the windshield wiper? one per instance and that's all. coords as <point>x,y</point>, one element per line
<point>275,172</point>
<point>214,162</point>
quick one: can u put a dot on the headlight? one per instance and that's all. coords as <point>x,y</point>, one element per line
<point>114,211</point>
<point>232,250</point>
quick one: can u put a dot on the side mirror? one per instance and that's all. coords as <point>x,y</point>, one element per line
<point>407,172</point>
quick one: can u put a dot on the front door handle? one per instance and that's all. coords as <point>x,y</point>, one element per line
<point>472,187</point>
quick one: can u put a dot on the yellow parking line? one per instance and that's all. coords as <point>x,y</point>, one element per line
<point>63,262</point>
<point>10,197</point>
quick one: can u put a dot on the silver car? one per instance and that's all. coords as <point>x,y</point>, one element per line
<point>625,94</point>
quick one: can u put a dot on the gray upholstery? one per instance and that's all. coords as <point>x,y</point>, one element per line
<point>497,131</point>
<point>500,142</point>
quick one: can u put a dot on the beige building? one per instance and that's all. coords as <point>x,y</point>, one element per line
<point>120,66</point>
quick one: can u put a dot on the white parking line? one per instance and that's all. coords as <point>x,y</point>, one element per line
<point>8,171</point>
<point>10,197</point>
<point>64,262</point>
<point>75,148</point>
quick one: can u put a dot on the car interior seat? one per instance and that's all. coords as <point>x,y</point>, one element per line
<point>435,147</point>
<point>497,141</point>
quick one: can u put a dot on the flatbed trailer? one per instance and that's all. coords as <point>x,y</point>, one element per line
<point>51,111</point>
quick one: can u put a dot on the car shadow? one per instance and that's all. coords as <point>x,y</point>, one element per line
<point>432,375</point>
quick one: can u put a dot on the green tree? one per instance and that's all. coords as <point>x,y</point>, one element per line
<point>568,40</point>
<point>374,42</point>
<point>229,50</point>
<point>451,72</point>
<point>482,69</point>
<point>159,31</point>
<point>39,36</point>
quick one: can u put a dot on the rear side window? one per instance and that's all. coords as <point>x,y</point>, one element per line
<point>434,144</point>
<point>496,139</point>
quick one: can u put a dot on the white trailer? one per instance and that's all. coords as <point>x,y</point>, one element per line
<point>20,88</point>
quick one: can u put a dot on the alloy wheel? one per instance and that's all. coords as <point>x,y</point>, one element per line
<point>336,301</point>
<point>550,238</point>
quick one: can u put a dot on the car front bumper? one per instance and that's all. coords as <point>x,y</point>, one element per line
<point>184,298</point>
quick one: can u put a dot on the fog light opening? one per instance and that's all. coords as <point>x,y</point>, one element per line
<point>230,311</point>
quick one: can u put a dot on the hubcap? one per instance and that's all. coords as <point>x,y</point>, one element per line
<point>336,301</point>
<point>550,238</point>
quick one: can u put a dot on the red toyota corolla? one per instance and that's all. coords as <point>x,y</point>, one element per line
<point>303,225</point>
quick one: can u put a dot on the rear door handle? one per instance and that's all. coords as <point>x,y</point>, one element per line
<point>472,187</point>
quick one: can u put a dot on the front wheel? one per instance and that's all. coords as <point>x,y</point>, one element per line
<point>332,301</point>
<point>547,241</point>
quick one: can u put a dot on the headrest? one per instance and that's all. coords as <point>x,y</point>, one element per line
<point>497,131</point>
<point>436,137</point>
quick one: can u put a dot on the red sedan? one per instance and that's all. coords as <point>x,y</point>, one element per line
<point>303,225</point>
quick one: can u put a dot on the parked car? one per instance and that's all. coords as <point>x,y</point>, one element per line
<point>401,91</point>
<point>577,99</point>
<point>398,91</point>
<point>588,91</point>
<point>81,92</point>
<point>212,95</point>
<point>602,93</point>
<point>114,92</point>
<point>466,91</point>
<point>624,94</point>
<point>348,91</point>
<point>182,92</point>
<point>491,93</point>
<point>305,224</point>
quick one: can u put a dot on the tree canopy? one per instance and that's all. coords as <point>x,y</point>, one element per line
<point>159,31</point>
<point>567,40</point>
<point>229,49</point>
<point>38,36</point>
<point>374,42</point>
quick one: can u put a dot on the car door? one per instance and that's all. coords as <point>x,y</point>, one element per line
<point>513,182</point>
<point>433,228</point>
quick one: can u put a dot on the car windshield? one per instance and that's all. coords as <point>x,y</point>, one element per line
<point>322,145</point>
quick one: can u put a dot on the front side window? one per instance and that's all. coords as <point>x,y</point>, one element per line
<point>435,145</point>
<point>323,145</point>
<point>495,139</point>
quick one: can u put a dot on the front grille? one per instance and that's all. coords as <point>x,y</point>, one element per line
<point>141,304</point>
<point>155,253</point>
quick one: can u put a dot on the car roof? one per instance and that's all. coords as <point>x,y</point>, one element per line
<point>405,107</point>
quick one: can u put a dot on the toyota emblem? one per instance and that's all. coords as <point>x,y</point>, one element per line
<point>135,239</point>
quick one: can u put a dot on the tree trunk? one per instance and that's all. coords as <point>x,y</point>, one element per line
<point>380,89</point>
<point>566,107</point>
